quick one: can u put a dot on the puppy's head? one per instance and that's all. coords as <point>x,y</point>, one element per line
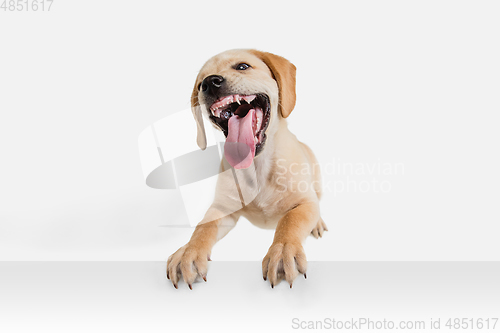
<point>243,93</point>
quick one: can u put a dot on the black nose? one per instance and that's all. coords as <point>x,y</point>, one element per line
<point>211,84</point>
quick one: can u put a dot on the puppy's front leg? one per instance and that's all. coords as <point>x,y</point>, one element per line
<point>191,260</point>
<point>286,257</point>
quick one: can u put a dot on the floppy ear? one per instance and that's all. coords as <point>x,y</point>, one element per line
<point>201,138</point>
<point>284,74</point>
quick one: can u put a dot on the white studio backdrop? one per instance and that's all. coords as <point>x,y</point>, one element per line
<point>398,100</point>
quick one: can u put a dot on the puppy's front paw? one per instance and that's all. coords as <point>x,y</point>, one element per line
<point>319,229</point>
<point>190,261</point>
<point>284,261</point>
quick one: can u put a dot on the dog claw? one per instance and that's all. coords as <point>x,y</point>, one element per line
<point>265,279</point>
<point>190,286</point>
<point>305,276</point>
<point>168,277</point>
<point>290,286</point>
<point>175,286</point>
<point>205,278</point>
<point>272,285</point>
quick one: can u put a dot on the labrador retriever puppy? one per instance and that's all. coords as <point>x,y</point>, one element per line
<point>248,94</point>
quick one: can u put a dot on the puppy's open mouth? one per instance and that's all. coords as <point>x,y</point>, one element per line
<point>243,119</point>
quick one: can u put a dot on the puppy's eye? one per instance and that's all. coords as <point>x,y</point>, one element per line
<point>242,67</point>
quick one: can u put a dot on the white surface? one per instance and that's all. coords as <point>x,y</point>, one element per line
<point>176,132</point>
<point>148,151</point>
<point>197,198</point>
<point>136,297</point>
<point>391,82</point>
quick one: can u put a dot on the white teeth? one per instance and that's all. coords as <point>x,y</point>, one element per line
<point>249,99</point>
<point>216,112</point>
<point>217,107</point>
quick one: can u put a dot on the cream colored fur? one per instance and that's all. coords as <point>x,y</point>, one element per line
<point>292,212</point>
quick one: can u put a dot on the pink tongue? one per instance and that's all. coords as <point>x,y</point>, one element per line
<point>239,148</point>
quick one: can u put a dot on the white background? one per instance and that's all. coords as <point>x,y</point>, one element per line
<point>397,82</point>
